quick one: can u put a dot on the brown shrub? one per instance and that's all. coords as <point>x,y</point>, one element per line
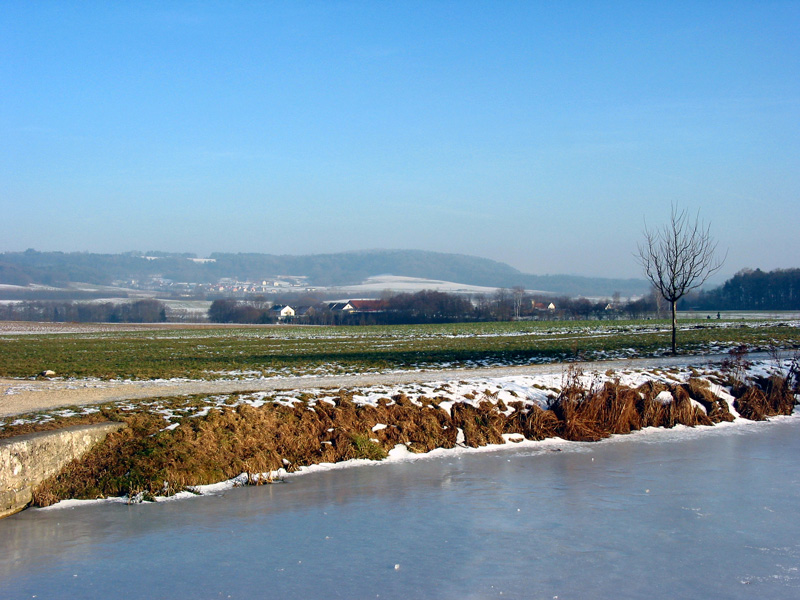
<point>652,412</point>
<point>420,428</point>
<point>109,469</point>
<point>577,418</point>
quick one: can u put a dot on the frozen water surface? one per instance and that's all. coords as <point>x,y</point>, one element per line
<point>709,513</point>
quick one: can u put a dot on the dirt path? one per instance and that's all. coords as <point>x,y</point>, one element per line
<point>19,396</point>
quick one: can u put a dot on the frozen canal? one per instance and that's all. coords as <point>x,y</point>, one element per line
<point>679,514</point>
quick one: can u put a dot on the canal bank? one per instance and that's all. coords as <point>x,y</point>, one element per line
<point>27,460</point>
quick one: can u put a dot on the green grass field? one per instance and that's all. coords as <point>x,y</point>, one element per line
<point>227,352</point>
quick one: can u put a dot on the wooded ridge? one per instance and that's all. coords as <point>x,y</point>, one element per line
<point>340,269</point>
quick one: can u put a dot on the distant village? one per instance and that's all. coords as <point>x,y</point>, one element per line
<point>224,287</point>
<point>285,312</point>
<point>425,306</point>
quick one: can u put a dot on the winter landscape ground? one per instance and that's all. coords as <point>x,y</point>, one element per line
<point>219,402</point>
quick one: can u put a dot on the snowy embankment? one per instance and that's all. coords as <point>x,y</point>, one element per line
<point>282,434</point>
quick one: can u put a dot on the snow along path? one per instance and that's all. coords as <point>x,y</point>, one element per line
<point>20,396</point>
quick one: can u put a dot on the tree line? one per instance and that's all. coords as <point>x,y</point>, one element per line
<point>430,306</point>
<point>752,290</point>
<point>139,311</point>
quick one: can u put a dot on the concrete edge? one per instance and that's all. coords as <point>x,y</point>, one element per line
<point>28,460</point>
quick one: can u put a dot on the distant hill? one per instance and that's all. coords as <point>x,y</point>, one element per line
<point>346,268</point>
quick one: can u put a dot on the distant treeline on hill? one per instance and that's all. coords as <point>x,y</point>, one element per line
<point>140,311</point>
<point>66,294</point>
<point>752,290</point>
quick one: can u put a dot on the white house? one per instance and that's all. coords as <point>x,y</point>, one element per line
<point>339,307</point>
<point>282,311</point>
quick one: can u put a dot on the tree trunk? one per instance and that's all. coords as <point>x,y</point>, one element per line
<point>674,304</point>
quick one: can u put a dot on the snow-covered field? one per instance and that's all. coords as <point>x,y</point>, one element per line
<point>382,283</point>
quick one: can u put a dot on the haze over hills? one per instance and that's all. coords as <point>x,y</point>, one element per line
<point>322,270</point>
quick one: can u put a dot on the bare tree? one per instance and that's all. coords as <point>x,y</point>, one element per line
<point>518,294</point>
<point>678,258</point>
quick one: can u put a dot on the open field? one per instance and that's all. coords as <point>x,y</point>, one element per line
<point>250,352</point>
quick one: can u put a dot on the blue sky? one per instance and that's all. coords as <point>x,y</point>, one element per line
<point>541,134</point>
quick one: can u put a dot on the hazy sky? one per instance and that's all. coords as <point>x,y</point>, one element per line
<point>541,134</point>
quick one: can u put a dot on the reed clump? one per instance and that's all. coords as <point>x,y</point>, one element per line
<point>766,397</point>
<point>482,425</point>
<point>716,408</point>
<point>590,415</point>
<point>759,397</point>
<point>536,423</point>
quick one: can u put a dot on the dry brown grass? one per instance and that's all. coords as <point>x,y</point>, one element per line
<point>481,426</point>
<point>538,424</point>
<point>716,408</point>
<point>617,409</point>
<point>765,397</point>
